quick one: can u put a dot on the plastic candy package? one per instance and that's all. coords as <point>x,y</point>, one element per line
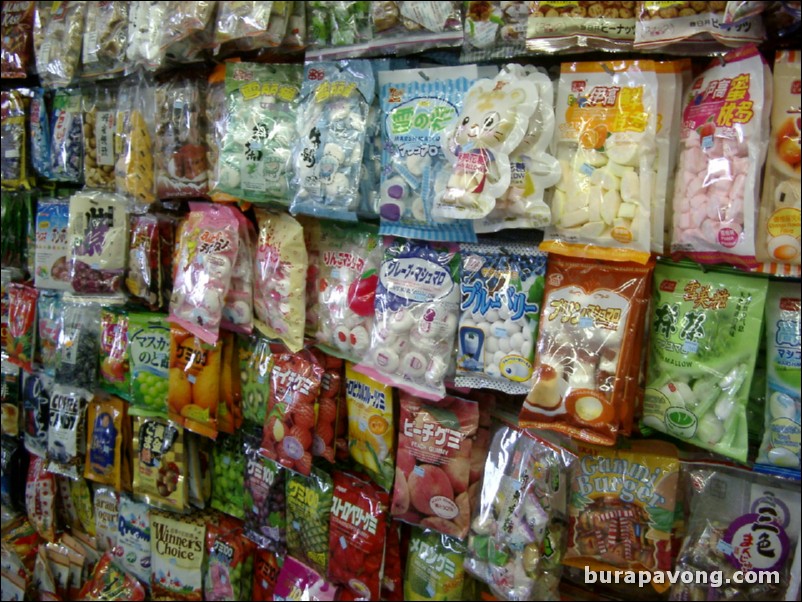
<point>596,25</point>
<point>313,232</point>
<point>36,412</point>
<point>332,392</point>
<point>298,581</point>
<point>109,582</point>
<point>51,261</point>
<point>229,408</point>
<point>332,117</point>
<point>145,27</point>
<point>187,31</point>
<point>136,111</point>
<point>105,39</point>
<point>143,273</point>
<point>238,308</point>
<point>149,363</point>
<point>704,346</point>
<point>783,379</point>
<point>66,142</point>
<point>228,476</point>
<point>280,278</point>
<point>13,156</point>
<point>99,127</point>
<point>309,504</point>
<point>229,556</point>
<point>17,51</point>
<point>417,309</point>
<point>40,498</point>
<point>105,418</point>
<point>237,20</point>
<point>265,497</point>
<point>177,546</point>
<point>434,567</point>
<point>494,30</point>
<point>606,144</point>
<point>333,25</point>
<point>256,365</point>
<point>724,138</point>
<point>106,502</point>
<point>256,148</point>
<point>40,133</point>
<point>282,25</point>
<point>778,232</point>
<point>66,435</point>
<point>58,34</point>
<point>133,537</point>
<point>159,465</point>
<point>501,292</point>
<point>266,569</point>
<point>418,106</point>
<point>17,237</point>
<point>403,27</point>
<point>114,364</point>
<point>79,343</point>
<point>208,246</point>
<point>19,342</point>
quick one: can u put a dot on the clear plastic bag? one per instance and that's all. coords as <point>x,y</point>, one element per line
<point>580,25</point>
<point>494,30</point>
<point>145,27</point>
<point>14,153</point>
<point>99,129</point>
<point>105,38</point>
<point>66,142</point>
<point>236,20</point>
<point>136,110</point>
<point>60,29</point>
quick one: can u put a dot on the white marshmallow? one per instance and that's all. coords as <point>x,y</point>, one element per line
<point>358,338</point>
<point>387,360</point>
<point>414,364</point>
<point>400,321</point>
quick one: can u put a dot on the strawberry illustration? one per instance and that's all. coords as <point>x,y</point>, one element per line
<point>362,293</point>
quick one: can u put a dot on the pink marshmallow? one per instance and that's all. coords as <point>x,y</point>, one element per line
<point>741,165</point>
<point>738,185</point>
<point>695,186</point>
<point>695,158</point>
<point>698,200</point>
<point>698,215</point>
<point>709,230</point>
<point>684,205</point>
<point>722,187</point>
<point>713,209</point>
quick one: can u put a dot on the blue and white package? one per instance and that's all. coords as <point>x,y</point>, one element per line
<point>40,134</point>
<point>418,105</point>
<point>332,123</point>
<point>501,292</point>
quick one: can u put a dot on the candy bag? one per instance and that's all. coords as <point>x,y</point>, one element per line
<point>159,463</point>
<point>187,31</point>
<point>501,291</point>
<point>279,278</point>
<point>136,110</point>
<point>66,436</point>
<point>145,28</point>
<point>14,153</point>
<point>229,408</point>
<point>10,400</point>
<point>577,26</point>
<point>703,350</point>
<point>228,554</point>
<point>177,545</point>
<point>236,20</point>
<point>309,503</point>
<point>417,309</point>
<point>40,499</point>
<point>149,359</point>
<point>79,343</point>
<point>256,366</point>
<point>114,364</point>
<point>104,441</point>
<point>238,308</point>
<point>297,581</point>
<point>434,567</point>
<point>20,339</point>
<point>17,33</point>
<point>778,232</point>
<point>111,583</point>
<point>494,30</point>
<point>105,37</point>
<point>40,133</point>
<point>606,144</point>
<point>106,502</point>
<point>66,142</point>
<point>265,497</point>
<point>228,476</point>
<point>587,347</point>
<point>313,232</point>
<point>36,411</point>
<point>133,537</point>
<point>52,245</point>
<point>99,123</point>
<point>332,123</point>
<point>331,396</point>
<point>58,34</point>
<point>266,569</point>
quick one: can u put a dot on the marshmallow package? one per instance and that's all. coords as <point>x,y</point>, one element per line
<point>280,271</point>
<point>416,313</point>
<point>704,345</point>
<point>605,140</point>
<point>501,291</point>
<point>725,121</point>
<point>238,308</point>
<point>332,123</point>
<point>588,349</point>
<point>207,251</point>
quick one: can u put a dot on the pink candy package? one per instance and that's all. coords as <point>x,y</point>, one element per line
<point>208,247</point>
<point>296,581</point>
<point>238,308</point>
<point>725,125</point>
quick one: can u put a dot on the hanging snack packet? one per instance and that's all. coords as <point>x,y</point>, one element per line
<point>58,34</point>
<point>114,364</point>
<point>145,20</point>
<point>778,233</point>
<point>280,271</point>
<point>228,476</point>
<point>261,106</point>
<point>501,290</point>
<point>237,20</point>
<point>724,118</point>
<point>159,466</point>
<point>105,441</point>
<point>228,554</point>
<point>14,152</point>
<point>703,347</point>
<point>554,27</point>
<point>238,308</point>
<point>48,314</point>
<point>66,436</point>
<point>335,98</point>
<point>313,232</point>
<point>99,127</point>
<point>107,503</point>
<point>188,30</point>
<point>587,346</point>
<point>434,567</point>
<point>10,400</point>
<point>265,497</point>
<point>20,339</point>
<point>494,30</point>
<point>36,389</point>
<point>133,537</point>
<point>17,34</point>
<point>331,396</point>
<point>105,37</point>
<point>66,142</point>
<point>309,503</point>
<point>142,275</point>
<point>40,499</point>
<point>40,133</point>
<point>606,144</point>
<point>177,545</point>
<point>229,408</point>
<point>149,359</point>
<point>109,583</point>
<point>256,365</point>
<point>79,343</point>
<point>333,26</point>
<point>417,309</point>
<point>136,109</point>
<point>296,581</point>
<point>52,269</point>
<point>266,569</point>
<point>404,27</point>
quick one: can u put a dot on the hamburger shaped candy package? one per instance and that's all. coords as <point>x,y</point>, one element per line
<point>588,349</point>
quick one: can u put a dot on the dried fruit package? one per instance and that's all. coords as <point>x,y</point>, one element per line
<point>296,581</point>
<point>331,396</point>
<point>14,152</point>
<point>17,49</point>
<point>230,561</point>
<point>105,36</point>
<point>114,364</point>
<point>256,365</point>
<point>52,268</point>
<point>588,348</point>
<point>99,123</point>
<point>66,435</point>
<point>605,139</point>
<point>40,499</point>
<point>228,476</point>
<point>105,418</point>
<point>434,567</point>
<point>111,583</point>
<point>149,359</point>
<point>36,411</point>
<point>66,141</point>
<point>58,34</point>
<point>133,537</point>
<point>238,308</point>
<point>309,503</point>
<point>106,502</point>
<point>177,545</point>
<point>578,26</point>
<point>79,343</point>
<point>432,474</point>
<point>704,345</point>
<point>265,497</point>
<point>357,532</point>
<point>159,464</point>
<point>20,338</point>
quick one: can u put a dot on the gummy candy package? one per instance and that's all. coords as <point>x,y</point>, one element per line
<point>434,567</point>
<point>578,26</point>
<point>418,106</point>
<point>19,342</point>
<point>349,260</point>
<point>105,419</point>
<point>134,138</point>
<point>10,400</point>
<point>296,581</point>
<point>256,365</point>
<point>159,465</point>
<point>40,133</point>
<point>724,137</point>
<point>238,308</point>
<point>494,30</point>
<point>309,504</point>
<point>313,232</point>
<point>105,37</point>
<point>266,569</point>
<point>14,151</point>
<point>501,292</point>
<point>66,435</point>
<point>229,409</point>
<point>36,389</point>
<point>704,345</point>
<point>605,142</point>
<point>230,556</point>
<point>66,141</point>
<point>17,50</point>
<point>265,497</point>
<point>114,364</point>
<point>331,396</point>
<point>133,537</point>
<point>109,582</point>
<point>51,260</point>
<point>99,122</point>
<point>417,309</point>
<point>58,34</point>
<point>257,145</point>
<point>228,476</point>
<point>332,118</point>
<point>149,363</point>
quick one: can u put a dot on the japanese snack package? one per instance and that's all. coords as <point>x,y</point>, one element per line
<point>40,133</point>
<point>228,476</point>
<point>494,30</point>
<point>133,537</point>
<point>332,393</point>
<point>145,27</point>
<point>229,408</point>
<point>36,389</point>
<point>193,392</point>
<point>14,151</point>
<point>417,309</point>
<point>106,505</point>
<point>434,567</point>
<point>309,503</point>
<point>238,308</point>
<point>588,348</point>
<point>349,260</point>
<point>149,362</point>
<point>725,116</point>
<point>295,381</point>
<point>66,435</point>
<point>296,581</point>
<point>313,232</point>
<point>199,474</point>
<point>105,39</point>
<point>66,141</point>
<point>778,233</point>
<point>237,20</point>
<point>114,363</point>
<point>208,247</point>
<point>10,399</point>
<point>256,366</point>
<point>230,561</point>
<point>17,35</point>
<point>280,271</point>
<point>99,127</point>
<point>177,545</point>
<point>335,98</point>
<point>261,106</point>
<point>20,339</point>
<point>577,26</point>
<point>266,569</point>
<point>59,567</point>
<point>40,499</point>
<point>404,27</point>
<point>42,579</point>
<point>105,420</point>
<point>418,106</point>
<point>180,143</point>
<point>781,445</point>
<point>187,31</point>
<point>432,474</point>
<point>52,269</point>
<point>79,343</point>
<point>110,583</point>
<point>704,344</point>
<point>143,275</point>
<point>265,497</point>
<point>159,465</point>
<point>339,25</point>
<point>605,140</point>
<point>739,521</point>
<point>136,110</point>
<point>18,213</point>
<point>58,35</point>
<point>501,291</point>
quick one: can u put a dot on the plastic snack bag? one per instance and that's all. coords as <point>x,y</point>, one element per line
<point>66,141</point>
<point>501,292</point>
<point>606,143</point>
<point>105,39</point>
<point>333,25</point>
<point>111,583</point>
<point>187,31</point>
<point>40,133</point>
<point>580,25</point>
<point>177,545</point>
<point>58,35</point>
<point>256,365</point>
<point>114,364</point>
<point>104,441</point>
<point>149,363</point>
<point>133,537</point>
<point>51,261</point>
<point>298,581</point>
<point>66,436</point>
<point>99,123</point>
<point>20,339</point>
<point>136,111</point>
<point>704,346</point>
<point>434,567</point>
<point>494,30</point>
<point>10,401</point>
<point>36,412</point>
<point>332,394</point>
<point>40,498</point>
<point>266,569</point>
<point>403,27</point>
<point>145,28</point>
<point>778,232</point>
<point>228,476</point>
<point>723,138</point>
<point>106,503</point>
<point>265,497</point>
<point>229,555</point>
<point>79,343</point>
<point>142,277</point>
<point>238,308</point>
<point>237,20</point>
<point>229,408</point>
<point>14,153</point>
<point>159,464</point>
<point>17,50</point>
<point>309,503</point>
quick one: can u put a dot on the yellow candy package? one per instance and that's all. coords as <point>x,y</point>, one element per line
<point>159,464</point>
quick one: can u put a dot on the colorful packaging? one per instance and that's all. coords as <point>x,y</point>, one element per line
<point>494,30</point>
<point>105,419</point>
<point>10,399</point>
<point>20,339</point>
<point>40,133</point>
<point>554,27</point>
<point>52,245</point>
<point>14,153</point>
<point>106,503</point>
<point>17,49</point>
<point>229,556</point>
<point>40,499</point>
<point>725,118</point>
<point>36,411</point>
<point>434,567</point>
<point>228,476</point>
<point>159,464</point>
<point>238,308</point>
<point>703,349</point>
<point>66,435</point>
<point>588,348</point>
<point>501,292</point>
<point>332,394</point>
<point>58,33</point>
<point>177,545</point>
<point>265,497</point>
<point>309,503</point>
<point>266,569</point>
<point>136,110</point>
<point>133,537</point>
<point>606,144</point>
<point>48,314</point>
<point>404,27</point>
<point>298,581</point>
<point>114,364</point>
<point>339,26</point>
<point>229,409</point>
<point>79,343</point>
<point>149,359</point>
<point>111,583</point>
<point>256,366</point>
<point>99,117</point>
<point>66,141</point>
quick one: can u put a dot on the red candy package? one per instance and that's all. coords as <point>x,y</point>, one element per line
<point>111,583</point>
<point>331,394</point>
<point>266,568</point>
<point>20,338</point>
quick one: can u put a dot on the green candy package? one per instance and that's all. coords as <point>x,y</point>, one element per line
<point>256,364</point>
<point>704,343</point>
<point>228,476</point>
<point>309,501</point>
<point>149,359</point>
<point>434,567</point>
